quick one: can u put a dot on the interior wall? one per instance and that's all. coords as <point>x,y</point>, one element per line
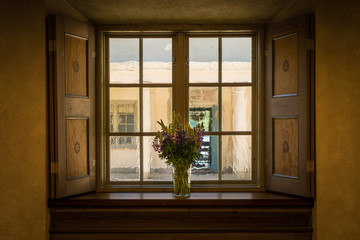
<point>23,211</point>
<point>337,119</point>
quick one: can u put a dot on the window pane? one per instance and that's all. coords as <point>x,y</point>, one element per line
<point>124,158</point>
<point>236,157</point>
<point>124,109</point>
<point>155,168</point>
<point>236,111</point>
<point>157,55</point>
<point>157,104</point>
<point>203,104</point>
<point>130,118</point>
<point>124,60</point>
<point>203,56</point>
<point>130,128</point>
<point>206,168</point>
<point>236,59</point>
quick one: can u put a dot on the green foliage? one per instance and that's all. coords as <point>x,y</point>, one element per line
<point>179,143</point>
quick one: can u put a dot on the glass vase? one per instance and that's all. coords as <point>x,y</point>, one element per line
<point>181,181</point>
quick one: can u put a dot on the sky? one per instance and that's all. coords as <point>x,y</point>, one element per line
<point>200,49</point>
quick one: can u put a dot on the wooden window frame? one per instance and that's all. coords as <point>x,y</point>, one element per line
<point>179,74</point>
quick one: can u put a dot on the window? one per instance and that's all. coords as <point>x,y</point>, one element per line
<point>124,122</point>
<point>209,78</point>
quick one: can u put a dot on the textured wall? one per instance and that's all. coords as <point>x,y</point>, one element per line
<point>337,119</point>
<point>178,11</point>
<point>22,120</point>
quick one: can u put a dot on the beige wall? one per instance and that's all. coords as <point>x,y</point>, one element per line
<point>337,119</point>
<point>23,136</point>
<point>22,120</point>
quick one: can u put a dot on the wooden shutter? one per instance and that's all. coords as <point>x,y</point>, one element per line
<point>71,71</point>
<point>289,107</point>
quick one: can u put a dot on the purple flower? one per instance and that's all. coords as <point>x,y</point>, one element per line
<point>178,143</point>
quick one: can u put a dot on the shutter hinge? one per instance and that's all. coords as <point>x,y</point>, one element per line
<point>174,61</point>
<point>93,54</point>
<point>54,167</point>
<point>310,166</point>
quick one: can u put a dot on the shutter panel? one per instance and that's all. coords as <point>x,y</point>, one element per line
<point>72,106</point>
<point>289,107</point>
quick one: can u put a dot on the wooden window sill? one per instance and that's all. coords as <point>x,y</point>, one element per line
<point>243,199</point>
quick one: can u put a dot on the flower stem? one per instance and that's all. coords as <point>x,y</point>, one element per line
<point>181,181</point>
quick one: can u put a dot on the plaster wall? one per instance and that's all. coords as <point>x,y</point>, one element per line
<point>337,119</point>
<point>23,182</point>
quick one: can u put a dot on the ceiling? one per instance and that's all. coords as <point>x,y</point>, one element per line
<point>176,11</point>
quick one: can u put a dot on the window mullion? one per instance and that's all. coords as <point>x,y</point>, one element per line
<point>180,95</point>
<point>141,109</point>
<point>220,109</point>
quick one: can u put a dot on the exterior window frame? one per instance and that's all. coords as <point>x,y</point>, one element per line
<point>180,73</point>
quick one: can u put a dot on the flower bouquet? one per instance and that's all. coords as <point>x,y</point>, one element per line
<point>180,145</point>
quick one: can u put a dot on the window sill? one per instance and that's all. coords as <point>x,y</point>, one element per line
<point>240,199</point>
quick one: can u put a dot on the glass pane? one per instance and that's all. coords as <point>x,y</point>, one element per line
<point>236,110</point>
<point>130,128</point>
<point>236,158</point>
<point>203,107</point>
<point>130,119</point>
<point>236,60</point>
<point>157,55</point>
<point>157,104</point>
<point>124,158</point>
<point>206,168</point>
<point>121,128</point>
<point>124,109</point>
<point>204,57</point>
<point>155,168</point>
<point>121,118</point>
<point>124,60</point>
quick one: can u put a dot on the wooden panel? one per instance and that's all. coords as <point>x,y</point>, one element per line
<point>286,65</point>
<point>72,96</point>
<point>244,215</point>
<point>127,219</point>
<point>286,147</point>
<point>76,66</point>
<point>76,148</point>
<point>77,106</point>
<point>270,235</point>
<point>289,101</point>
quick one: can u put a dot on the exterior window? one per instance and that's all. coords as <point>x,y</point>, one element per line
<point>124,121</point>
<point>140,91</point>
<point>213,84</point>
<point>220,96</point>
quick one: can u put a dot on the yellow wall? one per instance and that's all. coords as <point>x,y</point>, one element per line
<point>23,142</point>
<point>337,119</point>
<point>23,121</point>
